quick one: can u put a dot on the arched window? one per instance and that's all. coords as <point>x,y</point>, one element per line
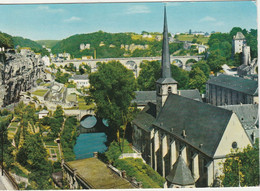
<point>170,89</point>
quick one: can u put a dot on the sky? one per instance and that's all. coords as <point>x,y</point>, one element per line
<point>59,21</point>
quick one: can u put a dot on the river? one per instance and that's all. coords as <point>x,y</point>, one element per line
<point>88,143</point>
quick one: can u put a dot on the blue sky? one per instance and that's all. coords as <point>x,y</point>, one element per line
<point>59,21</point>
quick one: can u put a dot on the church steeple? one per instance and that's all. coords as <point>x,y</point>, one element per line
<point>166,84</point>
<point>166,63</point>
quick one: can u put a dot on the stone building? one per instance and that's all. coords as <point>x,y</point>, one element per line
<point>230,90</point>
<point>248,116</point>
<point>238,42</point>
<point>179,132</point>
<point>80,80</point>
<point>91,173</point>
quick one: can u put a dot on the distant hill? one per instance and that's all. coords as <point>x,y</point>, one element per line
<point>24,42</point>
<point>47,43</point>
<point>108,45</point>
<point>6,40</point>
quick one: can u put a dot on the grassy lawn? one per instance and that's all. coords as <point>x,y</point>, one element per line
<point>72,97</point>
<point>39,92</point>
<point>51,144</point>
<point>82,104</point>
<point>46,84</point>
<point>12,129</point>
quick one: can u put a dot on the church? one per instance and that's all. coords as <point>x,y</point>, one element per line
<point>182,138</point>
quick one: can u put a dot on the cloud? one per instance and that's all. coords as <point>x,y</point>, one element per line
<point>220,23</point>
<point>137,9</point>
<point>48,9</point>
<point>172,4</point>
<point>207,19</point>
<point>72,19</point>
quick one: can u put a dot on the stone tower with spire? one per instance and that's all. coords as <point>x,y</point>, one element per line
<point>166,84</point>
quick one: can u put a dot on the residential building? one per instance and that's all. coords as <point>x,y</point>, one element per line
<point>80,80</point>
<point>43,113</point>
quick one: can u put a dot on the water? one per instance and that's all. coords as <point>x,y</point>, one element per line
<point>88,143</point>
<point>89,122</point>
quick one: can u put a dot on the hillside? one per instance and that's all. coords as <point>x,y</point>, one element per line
<point>47,43</point>
<point>24,42</point>
<point>6,40</point>
<point>108,45</point>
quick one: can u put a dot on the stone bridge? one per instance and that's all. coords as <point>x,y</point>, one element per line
<point>132,63</point>
<point>78,113</point>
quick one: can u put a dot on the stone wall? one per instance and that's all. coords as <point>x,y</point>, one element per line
<point>18,72</point>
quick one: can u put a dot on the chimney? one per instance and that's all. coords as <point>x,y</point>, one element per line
<point>253,137</point>
<point>123,174</point>
<point>95,154</point>
<point>184,133</point>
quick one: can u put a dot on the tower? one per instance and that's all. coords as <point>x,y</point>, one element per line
<point>166,84</point>
<point>238,42</point>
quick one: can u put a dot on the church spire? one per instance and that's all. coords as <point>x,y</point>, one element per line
<point>166,63</point>
<point>166,84</point>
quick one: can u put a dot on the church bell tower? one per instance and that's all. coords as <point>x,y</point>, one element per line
<point>166,84</point>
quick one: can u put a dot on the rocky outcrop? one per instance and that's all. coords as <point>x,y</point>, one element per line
<point>18,72</point>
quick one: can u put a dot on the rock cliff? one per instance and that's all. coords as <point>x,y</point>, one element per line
<point>18,72</point>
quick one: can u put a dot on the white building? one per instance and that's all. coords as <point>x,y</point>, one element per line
<point>80,80</point>
<point>202,48</point>
<point>43,113</point>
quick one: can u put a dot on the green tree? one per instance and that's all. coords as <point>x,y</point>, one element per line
<point>112,87</point>
<point>150,72</point>
<point>33,156</point>
<point>215,60</point>
<point>241,166</point>
<point>197,79</point>
<point>202,64</point>
<point>181,76</point>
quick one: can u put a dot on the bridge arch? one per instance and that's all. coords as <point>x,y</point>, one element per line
<point>178,63</point>
<point>189,64</point>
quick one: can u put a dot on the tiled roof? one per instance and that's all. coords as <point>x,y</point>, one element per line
<point>239,36</point>
<point>246,113</point>
<point>246,86</point>
<point>146,117</point>
<point>192,94</point>
<point>180,173</point>
<point>203,123</point>
<point>143,97</point>
<point>79,77</point>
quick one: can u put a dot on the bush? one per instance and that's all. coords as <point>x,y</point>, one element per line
<point>141,171</point>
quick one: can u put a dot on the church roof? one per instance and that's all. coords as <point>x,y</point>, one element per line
<point>204,124</point>
<point>143,97</point>
<point>146,117</point>
<point>239,36</point>
<point>246,86</point>
<point>246,113</point>
<point>180,173</point>
<point>192,94</point>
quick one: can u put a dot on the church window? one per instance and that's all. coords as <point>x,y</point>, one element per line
<point>234,145</point>
<point>169,89</point>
